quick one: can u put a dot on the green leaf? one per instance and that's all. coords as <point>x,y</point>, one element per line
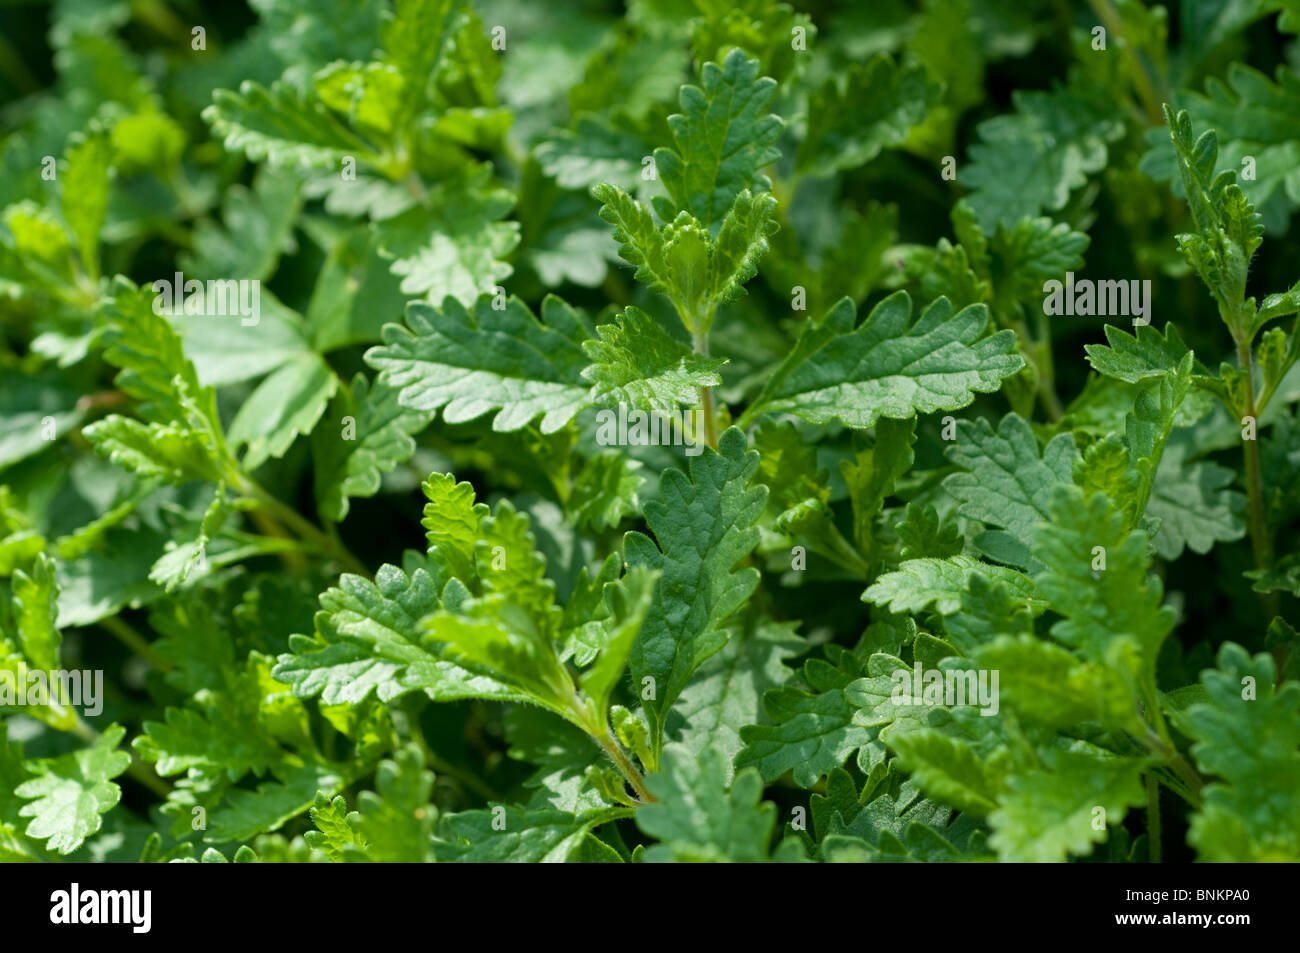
<point>812,732</point>
<point>637,364</point>
<point>1047,815</point>
<point>468,363</point>
<point>947,769</point>
<point>415,38</point>
<point>70,793</point>
<point>453,243</point>
<point>1110,611</point>
<point>1139,356</point>
<point>873,108</point>
<point>682,260</point>
<point>629,600</point>
<point>247,813</point>
<point>454,522</point>
<point>364,434</point>
<point>1253,117</point>
<point>606,490</point>
<point>1194,506</point>
<point>1050,685</point>
<point>1228,228</point>
<point>699,818</point>
<point>288,403</point>
<point>154,367</point>
<point>1246,737</point>
<point>725,695</point>
<point>990,609</point>
<point>872,474</point>
<point>283,126</point>
<point>154,451</point>
<point>257,226</point>
<point>369,638</point>
<point>225,350</point>
<point>34,613</point>
<point>917,583</point>
<point>703,526</point>
<point>1006,482</point>
<point>85,196</point>
<point>1029,161</point>
<point>594,151</point>
<point>510,834</point>
<point>886,368</point>
<point>397,819</point>
<point>724,136</point>
<point>335,831</point>
<point>188,740</point>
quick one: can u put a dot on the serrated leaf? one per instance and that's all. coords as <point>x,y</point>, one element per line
<point>284,406</point>
<point>812,732</point>
<point>1029,161</point>
<point>917,583</point>
<point>1105,611</point>
<point>606,490</point>
<point>505,833</point>
<point>453,243</point>
<point>247,813</point>
<point>71,792</point>
<point>886,368</point>
<point>335,827</point>
<point>634,362</point>
<point>468,363</point>
<point>947,769</point>
<point>873,108</point>
<point>365,433</point>
<point>594,151</point>
<point>1194,505</point>
<point>698,817</point>
<point>697,271</point>
<point>703,527</point>
<point>1047,815</point>
<point>723,137</point>
<point>1047,684</point>
<point>1007,483</point>
<point>369,639</point>
<point>284,126</point>
<point>726,693</point>
<point>1139,356</point>
<point>171,454</point>
<point>1246,736</point>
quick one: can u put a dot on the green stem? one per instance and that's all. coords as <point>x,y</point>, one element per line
<point>134,641</point>
<point>1114,25</point>
<point>442,766</point>
<point>701,342</point>
<point>303,527</point>
<point>611,747</point>
<point>1153,819</point>
<point>136,769</point>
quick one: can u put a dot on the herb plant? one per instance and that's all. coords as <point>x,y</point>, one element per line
<point>522,431</point>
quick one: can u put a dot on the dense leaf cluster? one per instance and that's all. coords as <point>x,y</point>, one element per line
<point>371,571</point>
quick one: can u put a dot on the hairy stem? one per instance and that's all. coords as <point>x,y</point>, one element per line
<point>1260,541</point>
<point>701,342</point>
<point>624,764</point>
